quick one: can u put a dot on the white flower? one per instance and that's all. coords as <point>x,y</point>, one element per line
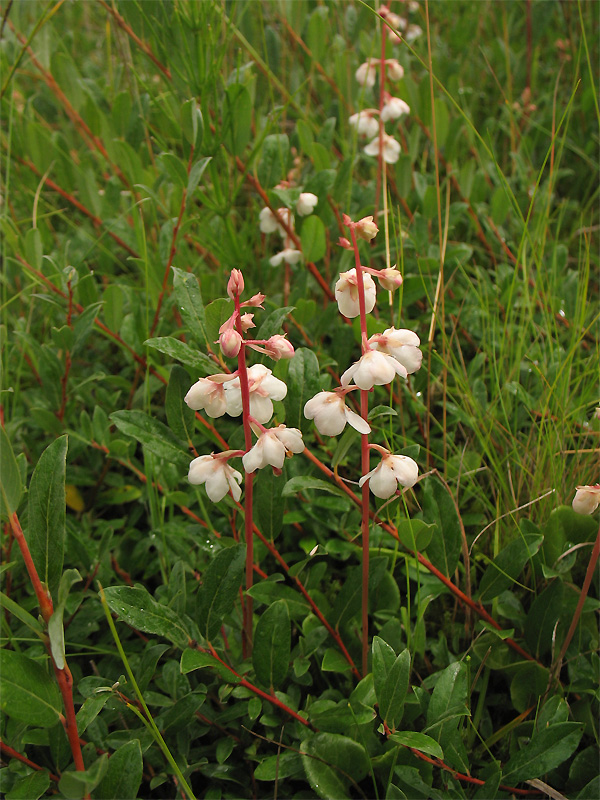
<point>264,388</point>
<point>402,344</point>
<point>412,32</point>
<point>277,346</point>
<point>269,222</point>
<point>218,476</point>
<point>272,447</point>
<point>394,109</point>
<point>365,74</point>
<point>373,369</point>
<point>587,499</point>
<point>391,471</point>
<point>346,293</point>
<point>390,148</point>
<point>208,394</point>
<point>395,71</point>
<point>289,255</point>
<point>389,278</point>
<point>331,414</point>
<point>306,203</point>
<point>397,22</point>
<point>365,123</point>
<point>366,229</point>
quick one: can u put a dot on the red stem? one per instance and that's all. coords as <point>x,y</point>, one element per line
<point>10,751</point>
<point>63,676</point>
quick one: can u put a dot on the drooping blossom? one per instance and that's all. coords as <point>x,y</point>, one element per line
<point>373,368</point>
<point>401,344</point>
<point>587,499</point>
<point>277,346</point>
<point>269,222</point>
<point>346,293</point>
<point>208,394</point>
<point>390,150</point>
<point>264,388</point>
<point>412,32</point>
<point>289,255</point>
<point>365,123</point>
<point>389,278</point>
<point>396,21</point>
<point>394,108</point>
<point>272,447</point>
<point>394,70</point>
<point>391,472</point>
<point>306,203</point>
<point>365,74</point>
<point>330,413</point>
<point>217,475</point>
<point>366,229</point>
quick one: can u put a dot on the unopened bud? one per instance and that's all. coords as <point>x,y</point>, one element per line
<point>343,242</point>
<point>366,228</point>
<point>279,347</point>
<point>390,278</point>
<point>235,284</point>
<point>231,342</point>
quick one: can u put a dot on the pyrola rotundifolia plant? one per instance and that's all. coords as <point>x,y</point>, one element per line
<point>249,391</point>
<point>383,357</point>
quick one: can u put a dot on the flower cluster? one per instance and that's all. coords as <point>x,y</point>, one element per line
<point>400,28</point>
<point>384,355</point>
<point>249,391</point>
<point>282,222</point>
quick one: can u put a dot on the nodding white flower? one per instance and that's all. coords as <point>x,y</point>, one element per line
<point>264,388</point>
<point>390,149</point>
<point>373,369</point>
<point>366,229</point>
<point>365,123</point>
<point>389,278</point>
<point>412,32</point>
<point>289,255</point>
<point>389,473</point>
<point>365,74</point>
<point>331,414</point>
<point>587,499</point>
<point>402,344</point>
<point>346,293</point>
<point>306,203</point>
<point>208,394</point>
<point>394,70</point>
<point>272,447</point>
<point>219,477</point>
<point>269,222</point>
<point>394,108</point>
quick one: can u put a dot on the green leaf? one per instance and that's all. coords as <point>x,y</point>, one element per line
<point>136,606</point>
<point>11,487</point>
<point>439,508</point>
<point>283,765</point>
<point>46,517</point>
<point>348,601</point>
<point>191,125</point>
<point>448,701</point>
<point>219,591</point>
<point>192,660</point>
<point>183,352</point>
<point>273,322</point>
<point>268,503</point>
<point>90,709</point>
<point>331,761</point>
<point>179,415</point>
<point>56,632</point>
<point>217,313</point>
<point>153,434</point>
<point>237,118</point>
<point>302,483</point>
<point>189,302</point>
<point>268,592</point>
<point>541,619</point>
<point>272,645</point>
<point>30,787</point>
<point>548,748</point>
<point>303,383</point>
<point>312,236</point>
<point>27,692</point>
<point>383,660</point>
<point>393,693</point>
<point>124,774</point>
<point>415,534</point>
<point>420,741</point>
<point>334,661</point>
<point>196,173</point>
<point>8,604</point>
<point>507,565</point>
<point>274,162</point>
<point>75,785</point>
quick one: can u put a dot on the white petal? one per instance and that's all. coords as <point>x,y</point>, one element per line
<point>405,470</point>
<point>252,460</point>
<point>217,485</point>
<point>275,388</point>
<point>383,483</point>
<point>348,374</point>
<point>200,469</point>
<point>357,422</point>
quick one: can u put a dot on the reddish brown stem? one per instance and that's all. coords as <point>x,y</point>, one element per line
<point>12,753</point>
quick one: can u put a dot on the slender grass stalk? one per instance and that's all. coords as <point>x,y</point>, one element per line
<point>148,719</point>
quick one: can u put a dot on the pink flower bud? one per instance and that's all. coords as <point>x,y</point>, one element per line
<point>235,285</point>
<point>389,278</point>
<point>231,342</point>
<point>278,347</point>
<point>366,228</point>
<point>255,301</point>
<point>343,242</point>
